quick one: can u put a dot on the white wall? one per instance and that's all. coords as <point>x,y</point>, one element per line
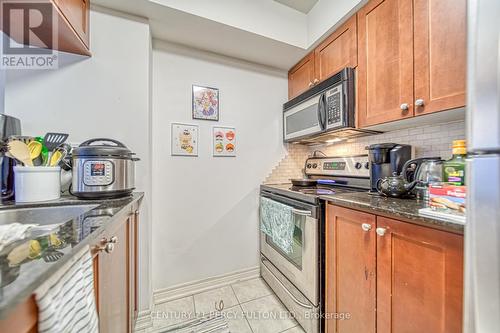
<point>205,209</point>
<point>106,95</point>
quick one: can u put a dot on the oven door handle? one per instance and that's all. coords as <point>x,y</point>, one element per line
<point>301,212</point>
<point>304,305</point>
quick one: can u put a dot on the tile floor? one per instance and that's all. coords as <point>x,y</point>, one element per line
<point>249,306</point>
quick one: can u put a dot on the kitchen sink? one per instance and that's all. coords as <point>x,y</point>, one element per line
<point>43,215</point>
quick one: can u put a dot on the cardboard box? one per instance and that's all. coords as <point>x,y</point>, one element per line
<point>445,197</point>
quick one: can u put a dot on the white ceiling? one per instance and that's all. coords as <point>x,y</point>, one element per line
<point>181,27</point>
<point>265,32</point>
<point>303,6</point>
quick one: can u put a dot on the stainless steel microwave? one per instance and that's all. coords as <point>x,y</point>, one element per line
<point>323,112</point>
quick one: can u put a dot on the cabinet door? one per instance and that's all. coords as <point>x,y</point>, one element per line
<point>385,61</point>
<point>440,54</point>
<point>76,13</point>
<point>339,50</point>
<point>350,270</point>
<point>114,283</point>
<point>301,76</point>
<point>419,279</point>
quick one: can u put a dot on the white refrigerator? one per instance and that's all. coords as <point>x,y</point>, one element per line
<point>482,230</point>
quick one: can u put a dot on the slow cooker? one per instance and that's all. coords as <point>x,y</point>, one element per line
<point>103,168</point>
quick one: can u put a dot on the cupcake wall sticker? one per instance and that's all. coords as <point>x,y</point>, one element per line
<point>184,140</point>
<point>224,141</point>
<point>205,103</point>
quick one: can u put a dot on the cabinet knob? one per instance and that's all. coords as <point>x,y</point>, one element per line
<point>109,247</point>
<point>405,107</point>
<point>419,102</point>
<point>316,81</point>
<point>366,226</point>
<point>380,231</point>
<point>311,84</point>
<point>113,239</point>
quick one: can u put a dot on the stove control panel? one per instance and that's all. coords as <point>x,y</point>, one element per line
<point>351,166</point>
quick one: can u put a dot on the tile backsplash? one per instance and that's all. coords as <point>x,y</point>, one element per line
<point>429,140</point>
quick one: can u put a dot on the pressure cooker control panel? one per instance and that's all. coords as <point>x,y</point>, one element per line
<point>98,173</point>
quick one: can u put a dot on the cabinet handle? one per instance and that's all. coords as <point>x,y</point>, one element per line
<point>419,102</point>
<point>311,84</point>
<point>380,231</point>
<point>405,107</point>
<point>366,226</point>
<point>113,240</point>
<point>316,81</point>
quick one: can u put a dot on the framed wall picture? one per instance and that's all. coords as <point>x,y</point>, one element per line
<point>224,141</point>
<point>184,140</point>
<point>205,103</point>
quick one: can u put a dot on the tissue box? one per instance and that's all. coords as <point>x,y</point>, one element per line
<point>445,197</point>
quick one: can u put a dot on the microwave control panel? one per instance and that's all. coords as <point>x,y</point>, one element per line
<point>98,173</point>
<point>334,109</point>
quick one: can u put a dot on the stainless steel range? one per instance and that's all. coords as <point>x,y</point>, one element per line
<point>297,277</point>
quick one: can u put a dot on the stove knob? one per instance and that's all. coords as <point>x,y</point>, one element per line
<point>315,166</point>
<point>308,166</point>
<point>367,165</point>
<point>358,165</point>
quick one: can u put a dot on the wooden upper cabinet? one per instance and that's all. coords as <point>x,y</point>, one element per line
<point>76,13</point>
<point>350,270</point>
<point>339,50</point>
<point>385,61</point>
<point>419,279</point>
<point>440,54</point>
<point>70,26</point>
<point>301,76</point>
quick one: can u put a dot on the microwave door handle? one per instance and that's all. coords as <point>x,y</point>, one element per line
<point>321,111</point>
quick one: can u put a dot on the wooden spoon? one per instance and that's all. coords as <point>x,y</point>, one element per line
<point>21,152</point>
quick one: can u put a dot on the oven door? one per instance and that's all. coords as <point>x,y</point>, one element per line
<point>301,266</point>
<point>305,119</point>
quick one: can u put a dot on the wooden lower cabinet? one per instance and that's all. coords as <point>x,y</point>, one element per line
<point>419,279</point>
<point>350,270</point>
<point>115,276</point>
<point>391,276</point>
<point>115,283</point>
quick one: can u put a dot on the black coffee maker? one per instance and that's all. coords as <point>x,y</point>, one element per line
<point>385,160</point>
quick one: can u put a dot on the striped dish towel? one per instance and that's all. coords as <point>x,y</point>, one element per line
<point>66,300</point>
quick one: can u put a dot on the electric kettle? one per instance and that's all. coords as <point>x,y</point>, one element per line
<point>424,171</point>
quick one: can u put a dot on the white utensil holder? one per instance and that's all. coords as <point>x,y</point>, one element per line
<point>34,184</point>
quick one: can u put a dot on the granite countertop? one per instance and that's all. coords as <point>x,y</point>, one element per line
<point>23,273</point>
<point>402,209</point>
